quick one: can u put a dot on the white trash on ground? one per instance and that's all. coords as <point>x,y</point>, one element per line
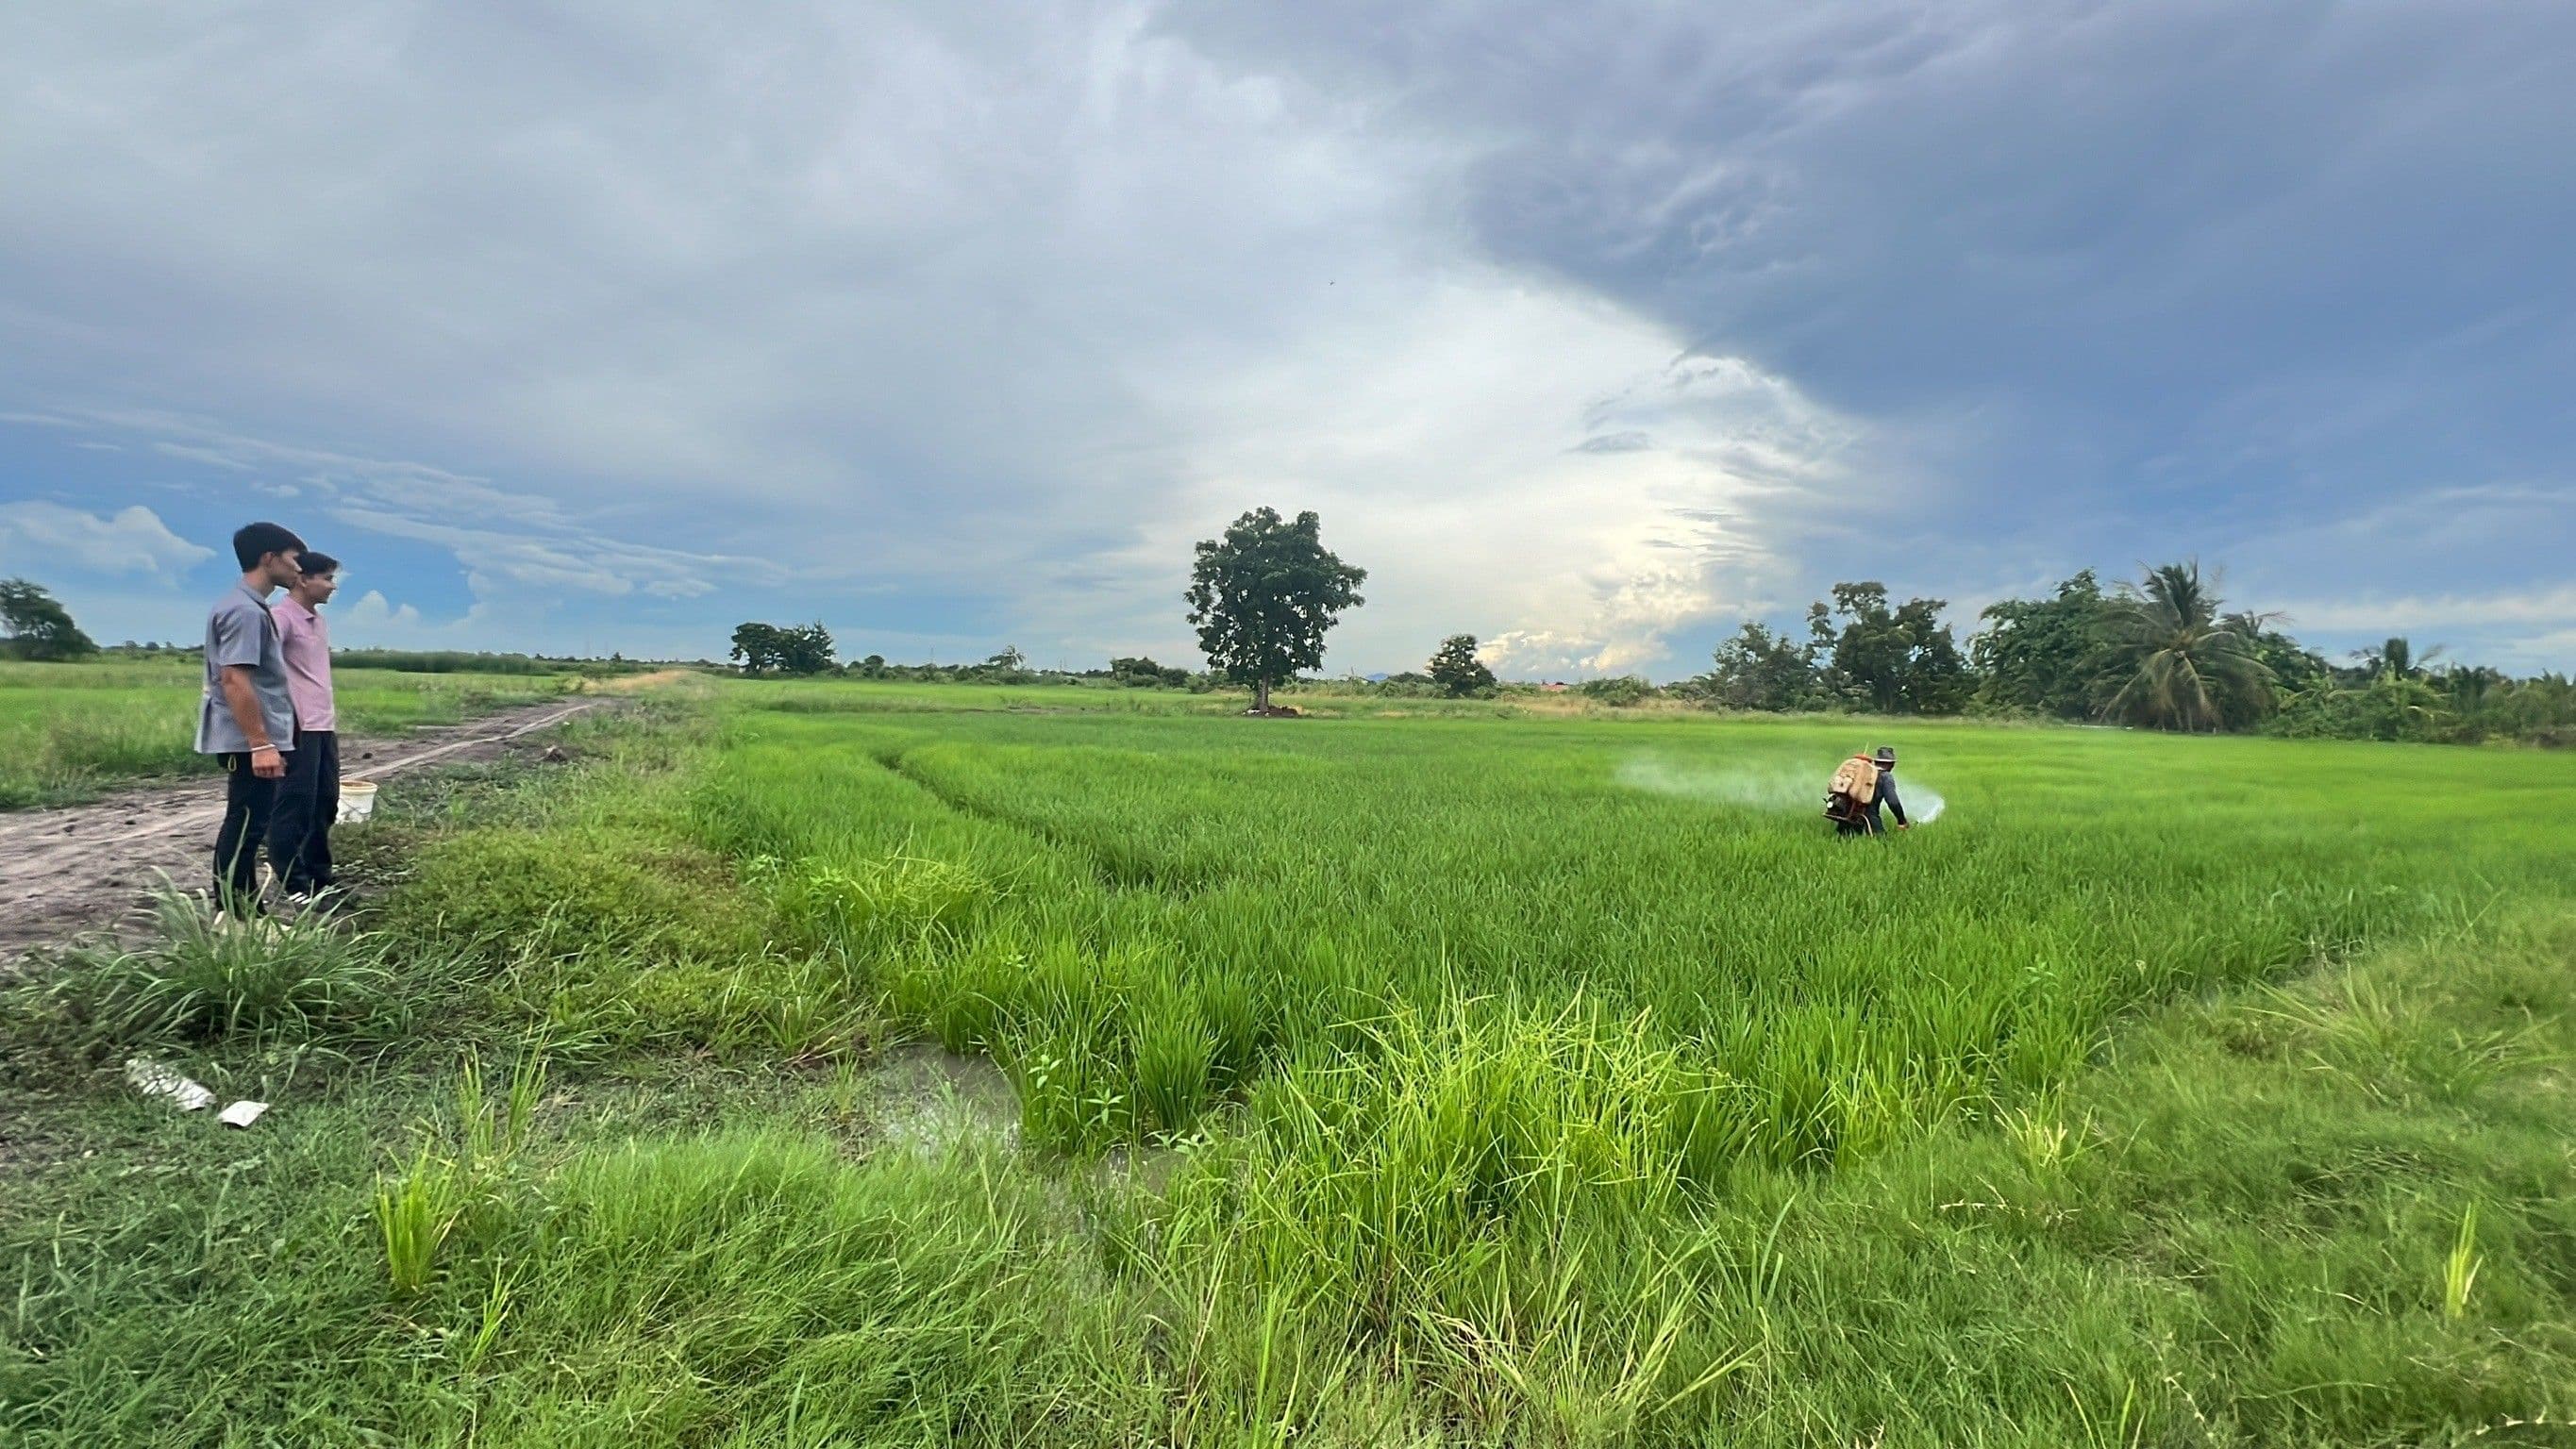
<point>156,1080</point>
<point>242,1114</point>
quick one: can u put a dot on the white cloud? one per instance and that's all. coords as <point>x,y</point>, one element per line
<point>1439,431</point>
<point>372,611</point>
<point>372,621</point>
<point>1007,305</point>
<point>2520,629</point>
<point>2408,613</point>
<point>36,534</point>
<point>520,542</point>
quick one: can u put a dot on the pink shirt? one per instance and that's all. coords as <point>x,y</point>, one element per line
<point>306,643</point>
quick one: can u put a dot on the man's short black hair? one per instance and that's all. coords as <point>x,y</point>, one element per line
<point>255,541</point>
<point>317,563</point>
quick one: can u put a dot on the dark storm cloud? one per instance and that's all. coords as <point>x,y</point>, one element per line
<point>2137,278</point>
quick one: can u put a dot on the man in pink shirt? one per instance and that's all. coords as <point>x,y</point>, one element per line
<point>299,833</point>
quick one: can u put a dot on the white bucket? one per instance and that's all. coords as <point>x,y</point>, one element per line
<point>357,800</point>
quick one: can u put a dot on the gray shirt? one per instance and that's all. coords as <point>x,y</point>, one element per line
<point>239,631</point>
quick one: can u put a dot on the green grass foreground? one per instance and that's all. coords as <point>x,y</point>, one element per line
<point>70,731</point>
<point>1379,1080</point>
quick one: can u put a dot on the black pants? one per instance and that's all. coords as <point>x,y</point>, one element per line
<point>1862,821</point>
<point>308,800</point>
<point>249,801</point>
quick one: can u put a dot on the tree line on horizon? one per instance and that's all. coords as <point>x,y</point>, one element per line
<point>2162,653</point>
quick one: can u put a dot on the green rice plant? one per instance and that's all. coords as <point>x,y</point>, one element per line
<point>1175,1056</point>
<point>2460,1267</point>
<point>112,746</point>
<point>1883,991</point>
<point>493,1315</point>
<point>981,984</point>
<point>482,1136</point>
<point>1709,1125</point>
<point>415,1211</point>
<point>2044,1142</point>
<point>527,1090</point>
<point>1238,1026</point>
<point>488,1138</point>
<point>869,909</point>
<point>965,996</point>
<point>460,1178</point>
<point>1070,1098</point>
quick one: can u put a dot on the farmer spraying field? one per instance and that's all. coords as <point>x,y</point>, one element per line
<point>1863,786</point>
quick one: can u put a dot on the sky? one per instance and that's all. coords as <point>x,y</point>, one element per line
<point>1590,329</point>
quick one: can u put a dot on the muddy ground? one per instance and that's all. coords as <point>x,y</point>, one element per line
<point>84,868</point>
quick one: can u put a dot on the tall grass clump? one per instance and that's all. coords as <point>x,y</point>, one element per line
<point>199,978</point>
<point>758,1288</point>
<point>873,909</point>
<point>464,1173</point>
<point>589,922</point>
<point>1486,1197</point>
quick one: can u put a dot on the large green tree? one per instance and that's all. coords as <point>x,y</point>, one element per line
<point>2177,662</point>
<point>2042,655</point>
<point>805,649</point>
<point>769,649</point>
<point>1457,670</point>
<point>1262,596</point>
<point>2294,666</point>
<point>1900,659</point>
<point>755,647</point>
<point>1141,672</point>
<point>35,625</point>
<point>1757,669</point>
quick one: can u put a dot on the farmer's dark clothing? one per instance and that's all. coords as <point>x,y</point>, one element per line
<point>249,802</point>
<point>1865,820</point>
<point>308,800</point>
<point>1886,796</point>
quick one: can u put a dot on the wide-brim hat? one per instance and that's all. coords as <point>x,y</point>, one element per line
<point>1887,754</point>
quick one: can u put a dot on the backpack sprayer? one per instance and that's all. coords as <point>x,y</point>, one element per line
<point>1855,788</point>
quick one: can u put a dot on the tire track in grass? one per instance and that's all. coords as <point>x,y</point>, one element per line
<point>1113,871</point>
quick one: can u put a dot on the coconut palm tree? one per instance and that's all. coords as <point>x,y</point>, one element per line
<point>2178,663</point>
<point>2472,685</point>
<point>2397,659</point>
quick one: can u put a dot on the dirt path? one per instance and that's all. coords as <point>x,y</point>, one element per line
<point>83,867</point>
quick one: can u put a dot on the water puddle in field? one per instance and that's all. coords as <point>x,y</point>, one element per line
<point>930,1100</point>
<point>1759,787</point>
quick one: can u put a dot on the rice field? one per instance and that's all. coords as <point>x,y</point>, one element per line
<point>1446,1077</point>
<point>1074,889</point>
<point>68,731</point>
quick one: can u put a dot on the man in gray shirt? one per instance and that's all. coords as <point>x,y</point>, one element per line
<point>247,719</point>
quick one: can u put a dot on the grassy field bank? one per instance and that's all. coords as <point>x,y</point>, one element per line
<point>68,731</point>
<point>1379,1081</point>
